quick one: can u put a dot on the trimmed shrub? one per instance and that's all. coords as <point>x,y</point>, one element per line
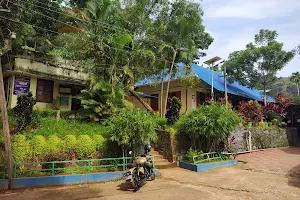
<point>53,148</point>
<point>20,149</point>
<point>98,141</point>
<point>41,149</point>
<point>38,147</point>
<point>85,147</point>
<point>69,143</point>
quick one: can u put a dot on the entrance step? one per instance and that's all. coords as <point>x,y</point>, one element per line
<point>166,165</point>
<point>160,162</point>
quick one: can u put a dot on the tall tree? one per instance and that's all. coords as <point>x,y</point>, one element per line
<point>179,25</point>
<point>256,66</point>
<point>295,78</point>
<point>34,22</point>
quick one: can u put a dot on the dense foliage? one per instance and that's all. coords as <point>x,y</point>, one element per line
<point>41,148</point>
<point>99,100</point>
<point>251,111</point>
<point>287,87</point>
<point>24,110</point>
<point>212,121</point>
<point>277,110</point>
<point>131,129</point>
<point>295,78</point>
<point>107,35</point>
<point>174,105</point>
<point>256,66</point>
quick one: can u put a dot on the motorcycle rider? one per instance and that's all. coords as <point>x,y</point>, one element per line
<point>149,163</point>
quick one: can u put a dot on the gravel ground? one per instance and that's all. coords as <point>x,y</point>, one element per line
<point>176,183</point>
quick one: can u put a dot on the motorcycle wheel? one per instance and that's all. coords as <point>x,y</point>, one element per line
<point>135,182</point>
<point>152,175</point>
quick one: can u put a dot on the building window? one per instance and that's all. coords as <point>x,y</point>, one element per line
<point>154,102</point>
<point>202,97</point>
<point>64,100</point>
<point>44,91</point>
<point>175,94</point>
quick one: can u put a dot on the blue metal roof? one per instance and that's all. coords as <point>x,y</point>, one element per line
<point>205,75</point>
<point>146,95</point>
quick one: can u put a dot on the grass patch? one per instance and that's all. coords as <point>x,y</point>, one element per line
<point>63,127</point>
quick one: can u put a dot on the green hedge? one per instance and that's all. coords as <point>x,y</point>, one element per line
<point>41,148</point>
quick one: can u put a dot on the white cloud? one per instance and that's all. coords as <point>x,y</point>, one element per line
<point>233,24</point>
<point>249,9</point>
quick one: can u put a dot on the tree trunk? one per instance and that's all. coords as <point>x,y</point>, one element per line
<point>265,95</point>
<point>113,83</point>
<point>298,87</point>
<point>162,90</point>
<point>168,85</point>
<point>6,131</point>
<point>123,152</point>
<point>147,106</point>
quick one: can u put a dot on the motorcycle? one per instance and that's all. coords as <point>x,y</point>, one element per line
<point>141,170</point>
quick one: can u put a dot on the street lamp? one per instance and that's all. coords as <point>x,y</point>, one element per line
<point>211,62</point>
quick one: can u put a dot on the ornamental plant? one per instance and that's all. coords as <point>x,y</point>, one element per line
<point>24,110</point>
<point>131,129</point>
<point>251,111</point>
<point>20,148</point>
<point>85,147</point>
<point>213,121</point>
<point>277,110</point>
<point>174,105</point>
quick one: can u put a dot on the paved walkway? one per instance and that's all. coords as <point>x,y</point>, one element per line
<point>279,160</point>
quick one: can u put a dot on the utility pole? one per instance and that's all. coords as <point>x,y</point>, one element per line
<point>212,81</point>
<point>6,132</point>
<point>211,62</point>
<point>225,85</point>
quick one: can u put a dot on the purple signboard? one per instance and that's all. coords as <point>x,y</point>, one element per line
<point>21,85</point>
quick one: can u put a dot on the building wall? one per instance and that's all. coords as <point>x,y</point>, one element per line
<point>60,69</point>
<point>188,94</point>
<point>33,84</point>
<point>137,104</point>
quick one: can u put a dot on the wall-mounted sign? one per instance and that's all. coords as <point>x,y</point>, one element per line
<point>21,85</point>
<point>65,90</point>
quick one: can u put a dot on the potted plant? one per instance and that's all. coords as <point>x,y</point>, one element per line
<point>274,122</point>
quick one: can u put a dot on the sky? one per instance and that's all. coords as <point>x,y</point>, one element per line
<point>233,24</point>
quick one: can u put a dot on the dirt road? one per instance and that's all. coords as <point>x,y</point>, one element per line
<point>223,183</point>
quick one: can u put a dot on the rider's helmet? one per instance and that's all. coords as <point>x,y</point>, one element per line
<point>147,148</point>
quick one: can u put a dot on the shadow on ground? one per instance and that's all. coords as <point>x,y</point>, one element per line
<point>61,193</point>
<point>294,176</point>
<point>125,186</point>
